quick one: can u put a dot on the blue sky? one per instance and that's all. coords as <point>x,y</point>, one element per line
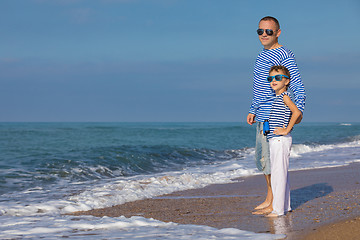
<point>168,60</point>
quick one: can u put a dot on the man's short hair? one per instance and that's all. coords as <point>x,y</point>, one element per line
<point>281,68</point>
<point>269,18</point>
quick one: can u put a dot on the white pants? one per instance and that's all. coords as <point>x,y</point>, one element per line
<point>279,158</point>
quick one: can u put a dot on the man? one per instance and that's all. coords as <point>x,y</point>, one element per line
<point>263,96</point>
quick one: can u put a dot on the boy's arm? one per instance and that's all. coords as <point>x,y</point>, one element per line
<point>296,113</point>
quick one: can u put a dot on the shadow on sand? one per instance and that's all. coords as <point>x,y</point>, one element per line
<point>305,194</point>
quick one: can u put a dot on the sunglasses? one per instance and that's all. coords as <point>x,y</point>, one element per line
<point>269,32</point>
<point>277,77</point>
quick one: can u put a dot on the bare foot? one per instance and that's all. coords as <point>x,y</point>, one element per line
<point>271,215</point>
<point>265,204</point>
<point>263,211</point>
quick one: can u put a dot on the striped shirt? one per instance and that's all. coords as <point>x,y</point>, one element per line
<point>263,95</point>
<point>280,114</point>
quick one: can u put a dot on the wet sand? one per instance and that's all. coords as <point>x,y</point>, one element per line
<point>322,200</point>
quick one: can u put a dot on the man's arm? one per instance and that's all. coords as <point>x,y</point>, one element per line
<point>296,84</point>
<point>254,104</point>
<point>250,118</point>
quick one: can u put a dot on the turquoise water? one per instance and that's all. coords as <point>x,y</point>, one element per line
<point>48,169</point>
<point>42,153</point>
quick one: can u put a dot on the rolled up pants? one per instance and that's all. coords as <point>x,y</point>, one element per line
<point>279,158</point>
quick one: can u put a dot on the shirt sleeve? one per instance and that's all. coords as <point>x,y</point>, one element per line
<point>296,84</point>
<point>261,100</point>
<point>255,103</point>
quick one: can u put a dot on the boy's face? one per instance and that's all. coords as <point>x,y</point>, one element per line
<point>279,85</point>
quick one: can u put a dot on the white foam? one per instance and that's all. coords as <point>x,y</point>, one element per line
<point>116,191</point>
<point>123,191</point>
<point>41,215</point>
<point>129,189</point>
<point>298,149</point>
<point>89,227</point>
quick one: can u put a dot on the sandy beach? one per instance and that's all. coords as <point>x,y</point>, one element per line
<point>324,201</point>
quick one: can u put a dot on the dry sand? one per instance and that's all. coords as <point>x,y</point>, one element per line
<point>325,205</point>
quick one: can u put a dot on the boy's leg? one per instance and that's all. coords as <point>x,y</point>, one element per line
<point>287,206</point>
<point>279,155</point>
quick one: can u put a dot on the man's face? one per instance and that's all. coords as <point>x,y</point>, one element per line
<point>269,41</point>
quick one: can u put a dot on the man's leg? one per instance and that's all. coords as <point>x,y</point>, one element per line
<point>269,196</point>
<point>262,160</point>
<point>266,207</point>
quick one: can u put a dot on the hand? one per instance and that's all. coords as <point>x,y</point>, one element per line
<point>250,118</point>
<point>281,131</point>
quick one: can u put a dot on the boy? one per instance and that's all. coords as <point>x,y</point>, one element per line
<point>283,116</point>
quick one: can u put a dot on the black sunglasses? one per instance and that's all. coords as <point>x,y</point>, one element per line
<point>277,77</point>
<point>269,32</point>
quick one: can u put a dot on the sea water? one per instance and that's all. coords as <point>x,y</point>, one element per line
<point>49,169</point>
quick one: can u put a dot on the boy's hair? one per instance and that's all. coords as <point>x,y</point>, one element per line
<point>269,18</point>
<point>281,68</point>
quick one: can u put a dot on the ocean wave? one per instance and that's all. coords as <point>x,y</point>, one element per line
<point>298,149</point>
<point>68,196</point>
<point>136,227</point>
<point>105,192</point>
<point>47,170</point>
<point>108,163</point>
<point>121,190</point>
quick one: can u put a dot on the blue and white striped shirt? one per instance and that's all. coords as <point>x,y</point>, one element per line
<point>280,114</point>
<point>263,94</point>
